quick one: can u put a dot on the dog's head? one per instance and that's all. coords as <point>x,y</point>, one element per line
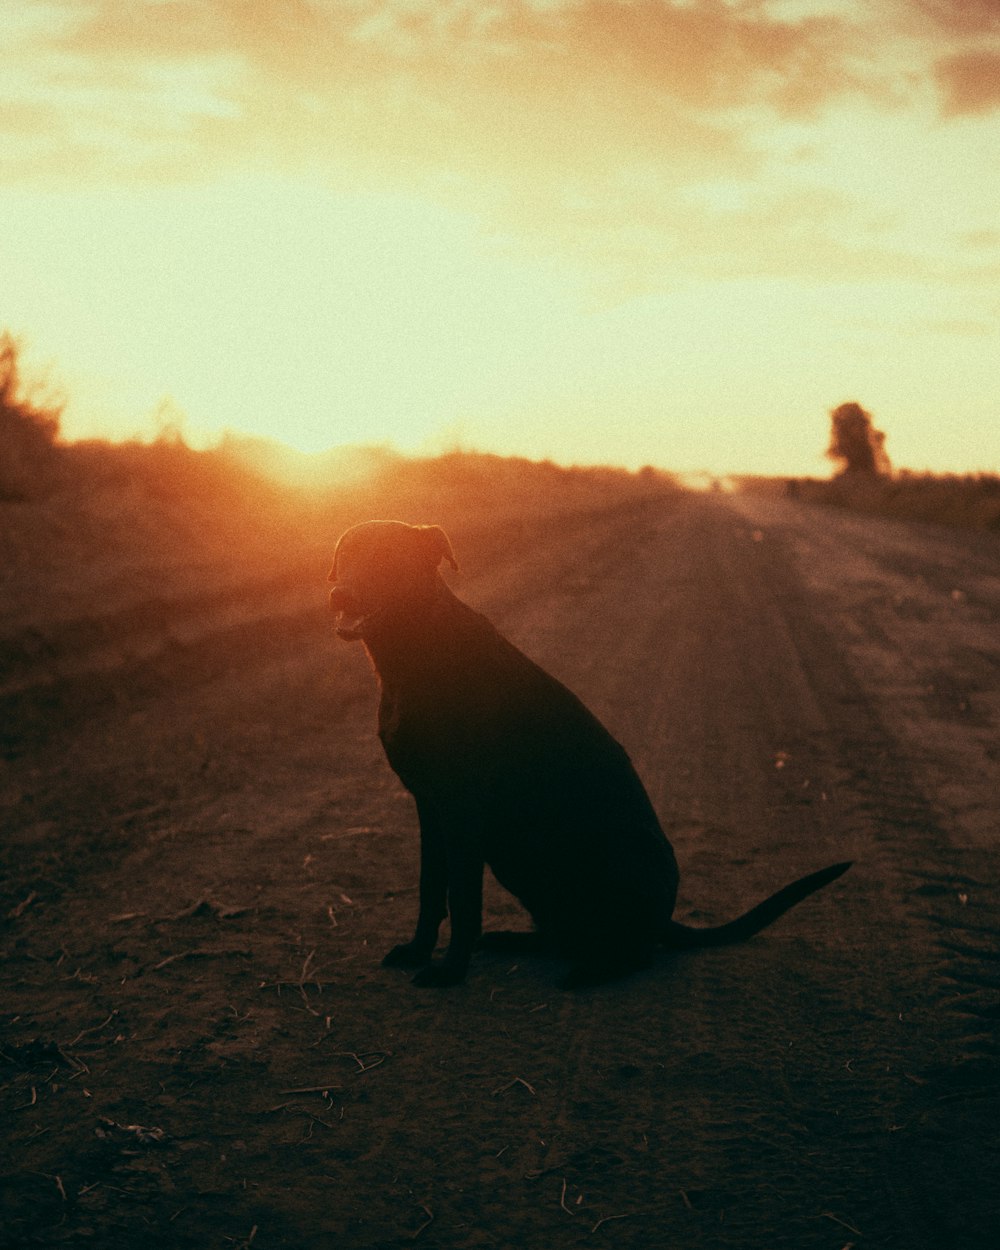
<point>382,566</point>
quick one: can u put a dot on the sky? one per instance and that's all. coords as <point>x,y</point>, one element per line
<point>596,231</point>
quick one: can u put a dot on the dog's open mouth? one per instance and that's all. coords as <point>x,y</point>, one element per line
<point>352,619</point>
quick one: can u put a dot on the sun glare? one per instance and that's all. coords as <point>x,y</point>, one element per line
<point>321,318</point>
<point>290,312</point>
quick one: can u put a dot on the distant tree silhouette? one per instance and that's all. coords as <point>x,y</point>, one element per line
<point>27,433</point>
<point>855,442</point>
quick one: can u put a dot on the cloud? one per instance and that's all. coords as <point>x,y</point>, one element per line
<point>111,97</point>
<point>619,63</point>
<point>624,69</point>
<point>959,17</point>
<point>508,94</point>
<point>178,28</point>
<point>980,240</point>
<point>119,88</point>
<point>593,131</point>
<point>969,82</point>
<point>806,234</point>
<point>706,54</point>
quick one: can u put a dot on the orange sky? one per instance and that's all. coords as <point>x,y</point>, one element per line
<point>607,230</point>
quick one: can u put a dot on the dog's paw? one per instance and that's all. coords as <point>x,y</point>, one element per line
<point>406,955</point>
<point>439,975</point>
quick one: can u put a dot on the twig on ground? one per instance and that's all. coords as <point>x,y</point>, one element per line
<point>198,954</point>
<point>562,1199</point>
<point>959,1095</point>
<point>829,1215</point>
<point>606,1219</point>
<point>305,1002</point>
<point>314,981</point>
<point>32,1053</point>
<point>205,907</point>
<point>310,1089</point>
<point>94,1029</point>
<point>518,1080</point>
<point>378,1057</point>
<point>170,959</point>
<point>142,1134</point>
<point>305,966</point>
<point>426,1224</point>
<point>16,912</point>
<point>58,1182</point>
<point>78,1066</point>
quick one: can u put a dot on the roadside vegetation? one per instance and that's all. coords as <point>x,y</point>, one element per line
<point>866,482</point>
<point>251,501</point>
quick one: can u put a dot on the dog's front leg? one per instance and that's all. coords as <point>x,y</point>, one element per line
<point>433,893</point>
<point>465,906</point>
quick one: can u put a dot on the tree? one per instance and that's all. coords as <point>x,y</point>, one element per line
<point>28,432</point>
<point>855,442</point>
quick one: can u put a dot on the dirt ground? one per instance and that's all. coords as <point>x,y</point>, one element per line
<point>205,856</point>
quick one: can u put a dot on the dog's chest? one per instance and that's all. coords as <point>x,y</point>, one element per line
<point>416,742</point>
<point>389,718</point>
<point>442,740</point>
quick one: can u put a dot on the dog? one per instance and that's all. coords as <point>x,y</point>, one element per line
<point>509,769</point>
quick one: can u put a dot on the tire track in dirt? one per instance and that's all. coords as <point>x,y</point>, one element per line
<point>89,669</point>
<point>724,729</point>
<point>916,849</point>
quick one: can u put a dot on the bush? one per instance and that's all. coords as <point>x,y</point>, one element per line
<point>28,433</point>
<point>855,443</point>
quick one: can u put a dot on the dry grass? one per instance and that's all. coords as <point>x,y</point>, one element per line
<point>970,500</point>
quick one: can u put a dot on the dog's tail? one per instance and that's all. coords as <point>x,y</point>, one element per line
<point>683,937</point>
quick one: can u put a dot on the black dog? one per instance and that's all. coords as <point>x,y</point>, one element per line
<point>509,769</point>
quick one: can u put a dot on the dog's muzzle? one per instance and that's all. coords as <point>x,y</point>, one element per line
<point>352,619</point>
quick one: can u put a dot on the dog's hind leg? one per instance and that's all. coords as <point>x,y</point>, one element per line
<point>433,894</point>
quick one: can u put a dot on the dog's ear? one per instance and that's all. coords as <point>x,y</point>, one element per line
<point>437,544</point>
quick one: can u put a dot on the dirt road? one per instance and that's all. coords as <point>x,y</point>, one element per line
<point>206,856</point>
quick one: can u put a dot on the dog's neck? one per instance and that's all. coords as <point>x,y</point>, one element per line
<point>405,638</point>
